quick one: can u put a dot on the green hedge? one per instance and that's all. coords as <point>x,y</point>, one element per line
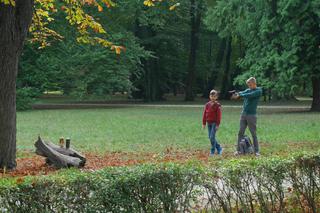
<point>243,185</point>
<point>148,188</point>
<point>265,185</point>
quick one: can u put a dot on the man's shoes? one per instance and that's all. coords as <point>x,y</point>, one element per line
<point>257,154</point>
<point>237,153</point>
<point>211,155</point>
<point>220,151</point>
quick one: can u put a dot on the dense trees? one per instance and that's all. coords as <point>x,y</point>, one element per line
<point>281,42</point>
<point>81,70</point>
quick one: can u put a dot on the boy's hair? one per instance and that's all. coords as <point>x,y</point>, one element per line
<point>214,92</point>
<point>252,79</point>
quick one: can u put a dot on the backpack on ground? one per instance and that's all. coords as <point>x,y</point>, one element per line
<point>246,146</point>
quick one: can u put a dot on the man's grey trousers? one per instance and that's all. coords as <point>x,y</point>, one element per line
<point>251,122</point>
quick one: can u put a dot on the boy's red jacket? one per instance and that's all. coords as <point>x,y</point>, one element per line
<point>212,113</point>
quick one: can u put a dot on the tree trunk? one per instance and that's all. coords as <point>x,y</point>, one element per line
<point>226,75</point>
<point>14,24</point>
<point>236,71</point>
<point>269,94</point>
<point>195,14</point>
<point>150,84</point>
<point>315,94</point>
<point>206,78</point>
<point>216,67</point>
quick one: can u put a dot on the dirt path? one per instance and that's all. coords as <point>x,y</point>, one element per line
<point>92,105</point>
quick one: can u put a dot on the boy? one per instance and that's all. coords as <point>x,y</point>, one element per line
<point>251,97</point>
<point>212,117</point>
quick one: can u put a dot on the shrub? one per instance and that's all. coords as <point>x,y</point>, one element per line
<point>265,185</point>
<point>243,185</point>
<point>148,188</point>
<point>26,97</point>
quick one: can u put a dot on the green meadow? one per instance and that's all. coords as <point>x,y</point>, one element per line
<point>153,129</point>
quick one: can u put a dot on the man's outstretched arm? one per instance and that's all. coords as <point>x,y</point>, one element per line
<point>251,94</point>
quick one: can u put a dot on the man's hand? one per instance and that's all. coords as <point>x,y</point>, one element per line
<point>203,126</point>
<point>217,128</point>
<point>235,96</point>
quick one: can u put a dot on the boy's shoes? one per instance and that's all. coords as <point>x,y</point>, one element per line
<point>257,154</point>
<point>220,151</point>
<point>211,155</point>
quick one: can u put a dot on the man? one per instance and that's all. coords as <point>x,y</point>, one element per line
<point>248,117</point>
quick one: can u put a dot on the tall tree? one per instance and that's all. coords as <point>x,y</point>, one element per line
<point>216,66</point>
<point>316,93</point>
<point>226,81</point>
<point>14,25</point>
<point>196,10</point>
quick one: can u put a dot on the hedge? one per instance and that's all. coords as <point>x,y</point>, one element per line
<point>242,185</point>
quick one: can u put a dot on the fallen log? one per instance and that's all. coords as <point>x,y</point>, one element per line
<point>59,157</point>
<point>69,152</point>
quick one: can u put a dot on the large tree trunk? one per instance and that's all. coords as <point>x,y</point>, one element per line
<point>195,14</point>
<point>316,94</point>
<point>226,82</point>
<point>150,86</point>
<point>215,70</point>
<point>14,24</point>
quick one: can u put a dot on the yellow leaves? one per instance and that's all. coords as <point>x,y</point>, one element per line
<point>148,3</point>
<point>98,28</point>
<point>102,42</point>
<point>100,9</point>
<point>118,49</point>
<point>90,2</point>
<point>86,39</point>
<point>83,39</point>
<point>40,21</point>
<point>88,28</point>
<point>173,7</point>
<point>151,3</point>
<point>12,2</point>
<point>8,2</point>
<point>86,24</point>
<point>108,3</point>
<point>77,16</point>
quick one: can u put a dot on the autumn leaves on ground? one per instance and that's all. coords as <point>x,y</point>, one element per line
<point>36,165</point>
<point>31,164</point>
<point>131,136</point>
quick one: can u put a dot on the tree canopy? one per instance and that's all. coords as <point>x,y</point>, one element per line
<point>281,40</point>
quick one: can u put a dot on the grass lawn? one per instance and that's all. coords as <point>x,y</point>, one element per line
<point>155,129</point>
